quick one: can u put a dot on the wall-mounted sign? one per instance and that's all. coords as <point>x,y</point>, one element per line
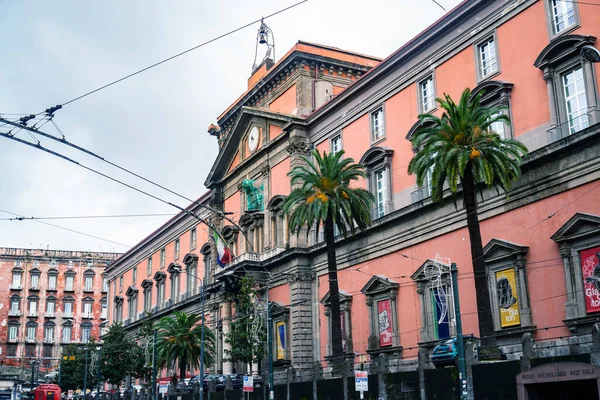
<point>384,313</point>
<point>590,270</point>
<point>508,301</point>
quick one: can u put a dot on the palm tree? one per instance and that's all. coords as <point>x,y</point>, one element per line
<point>179,340</point>
<point>324,197</point>
<point>461,146</point>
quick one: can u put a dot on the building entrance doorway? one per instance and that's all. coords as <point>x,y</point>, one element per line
<point>559,381</point>
<point>573,390</point>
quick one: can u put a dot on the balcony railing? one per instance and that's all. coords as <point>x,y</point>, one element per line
<point>258,257</point>
<point>14,313</point>
<point>49,314</point>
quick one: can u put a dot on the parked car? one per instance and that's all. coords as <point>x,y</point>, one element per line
<point>237,381</point>
<point>446,352</point>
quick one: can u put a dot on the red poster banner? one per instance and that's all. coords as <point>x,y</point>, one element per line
<point>384,312</point>
<point>590,269</point>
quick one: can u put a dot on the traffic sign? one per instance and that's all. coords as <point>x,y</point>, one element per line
<point>362,381</point>
<point>248,383</point>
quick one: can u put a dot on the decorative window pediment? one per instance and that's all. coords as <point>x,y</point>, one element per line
<point>565,47</point>
<point>497,250</point>
<point>276,203</point>
<point>160,276</point>
<point>206,249</point>
<point>376,155</point>
<point>131,291</point>
<point>278,311</point>
<point>118,300</point>
<point>345,315</point>
<point>379,284</point>
<point>281,344</point>
<point>147,283</point>
<point>174,268</point>
<point>52,271</point>
<point>579,226</point>
<point>89,272</point>
<point>190,259</point>
<point>70,273</point>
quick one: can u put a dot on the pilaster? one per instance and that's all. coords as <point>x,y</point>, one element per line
<point>301,322</point>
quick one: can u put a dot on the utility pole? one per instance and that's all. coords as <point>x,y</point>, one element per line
<point>32,372</point>
<point>462,365</point>
<point>99,363</point>
<point>59,373</point>
<point>270,344</point>
<point>202,343</point>
<point>154,389</point>
<point>85,373</point>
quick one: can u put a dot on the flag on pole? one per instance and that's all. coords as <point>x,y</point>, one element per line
<point>223,253</point>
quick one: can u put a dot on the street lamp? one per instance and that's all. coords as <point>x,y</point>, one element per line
<point>99,349</point>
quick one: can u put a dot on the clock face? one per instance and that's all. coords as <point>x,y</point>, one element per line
<point>253,139</point>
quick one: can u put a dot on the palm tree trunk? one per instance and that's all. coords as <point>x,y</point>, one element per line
<point>337,349</point>
<point>182,370</point>
<point>484,311</point>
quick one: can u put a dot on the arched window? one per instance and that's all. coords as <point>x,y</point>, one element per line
<point>230,234</point>
<point>160,278</point>
<point>69,281</point>
<point>88,280</point>
<point>34,284</point>
<point>15,306</point>
<point>52,280</point>
<point>191,282</point>
<point>17,275</point>
<point>571,85</point>
<point>174,270</point>
<point>279,231</point>
<point>132,296</point>
<point>207,257</point>
<point>378,164</point>
<point>496,94</point>
<point>147,288</point>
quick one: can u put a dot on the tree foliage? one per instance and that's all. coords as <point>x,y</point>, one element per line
<point>120,355</point>
<point>72,369</point>
<point>179,341</point>
<point>461,147</point>
<point>324,197</point>
<point>247,335</point>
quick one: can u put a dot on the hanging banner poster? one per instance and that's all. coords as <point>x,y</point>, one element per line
<point>590,270</point>
<point>508,301</point>
<point>280,328</point>
<point>384,312</point>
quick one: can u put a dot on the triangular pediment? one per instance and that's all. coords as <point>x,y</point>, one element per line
<point>277,309</point>
<point>379,284</point>
<point>344,297</point>
<point>420,276</point>
<point>131,290</point>
<point>580,225</point>
<point>223,164</point>
<point>498,249</point>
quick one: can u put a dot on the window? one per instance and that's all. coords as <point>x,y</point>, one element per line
<point>437,309</point>
<point>104,285</point>
<point>35,280</point>
<point>162,258</point>
<point>33,306</point>
<point>206,252</point>
<point>336,143</point>
<point>31,328</point>
<point>279,232</point>
<point>252,225</point>
<point>52,278</point>
<point>88,283</point>
<point>192,239</point>
<point>16,278</point>
<point>87,307</point>
<point>496,95</point>
<point>426,95</point>
<point>160,278</point>
<point>103,329</point>
<point>103,308</point>
<point>579,243</point>
<point>66,334</point>
<point>69,281</point>
<point>280,327</point>
<point>499,127</point>
<point>11,350</point>
<point>149,267</point>
<point>174,271</point>
<point>48,351</point>
<point>575,100</point>
<point>487,58</point>
<point>49,333</point>
<point>13,332</point>
<point>121,283</point>
<point>68,307</point>
<point>134,276</point>
<point>147,287</point>
<point>378,162</point>
<point>380,192</point>
<point>562,16</point>
<point>50,307</point>
<point>505,267</point>
<point>571,86</point>
<point>345,316</point>
<point>30,351</point>
<point>15,306</point>
<point>176,250</point>
<point>118,308</point>
<point>377,125</point>
<point>132,294</point>
<point>192,279</point>
<point>86,332</point>
<point>381,294</point>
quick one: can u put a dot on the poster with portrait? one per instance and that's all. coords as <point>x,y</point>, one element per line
<point>384,313</point>
<point>508,300</point>
<point>590,270</point>
<point>280,329</point>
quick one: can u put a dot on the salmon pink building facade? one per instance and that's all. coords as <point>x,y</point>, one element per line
<point>541,242</point>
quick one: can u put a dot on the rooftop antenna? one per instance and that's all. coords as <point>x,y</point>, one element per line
<point>264,36</point>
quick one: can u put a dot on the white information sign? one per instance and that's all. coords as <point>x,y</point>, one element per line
<point>248,383</point>
<point>362,381</point>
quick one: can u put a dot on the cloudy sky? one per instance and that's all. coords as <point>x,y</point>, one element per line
<point>154,123</point>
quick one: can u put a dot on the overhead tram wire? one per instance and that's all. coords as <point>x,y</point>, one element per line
<point>88,217</point>
<point>182,53</point>
<point>70,230</point>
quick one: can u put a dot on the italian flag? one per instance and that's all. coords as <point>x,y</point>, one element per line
<point>223,253</point>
